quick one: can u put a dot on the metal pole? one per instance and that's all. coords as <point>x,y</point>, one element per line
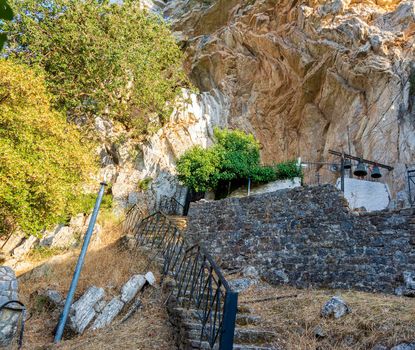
<point>229,319</point>
<point>79,264</point>
<point>249,186</point>
<point>342,173</point>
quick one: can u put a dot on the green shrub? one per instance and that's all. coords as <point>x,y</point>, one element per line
<point>288,170</point>
<point>43,159</point>
<point>100,57</point>
<point>235,157</point>
<point>144,184</point>
<point>198,168</point>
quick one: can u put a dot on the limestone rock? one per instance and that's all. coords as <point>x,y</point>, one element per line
<point>408,288</point>
<point>54,298</point>
<point>336,307</point>
<point>14,241</point>
<point>404,346</point>
<point>60,237</point>
<point>150,278</point>
<point>8,318</point>
<point>132,287</point>
<point>110,311</point>
<point>25,247</point>
<point>82,311</point>
<point>241,284</point>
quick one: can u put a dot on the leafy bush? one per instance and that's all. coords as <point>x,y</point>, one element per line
<point>234,157</point>
<point>288,170</point>
<point>100,57</point>
<point>43,160</point>
<point>198,168</point>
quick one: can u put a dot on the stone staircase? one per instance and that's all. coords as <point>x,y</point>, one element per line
<point>179,221</point>
<point>248,332</point>
<point>187,321</point>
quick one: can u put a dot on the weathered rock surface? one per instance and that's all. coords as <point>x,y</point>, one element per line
<point>110,311</point>
<point>132,287</point>
<point>336,307</point>
<point>25,247</point>
<point>149,276</point>
<point>404,346</point>
<point>8,318</point>
<point>60,237</point>
<point>299,74</point>
<point>82,311</point>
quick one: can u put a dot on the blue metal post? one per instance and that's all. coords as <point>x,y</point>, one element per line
<point>229,319</point>
<point>79,264</point>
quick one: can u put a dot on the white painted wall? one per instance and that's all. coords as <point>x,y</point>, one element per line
<point>370,195</point>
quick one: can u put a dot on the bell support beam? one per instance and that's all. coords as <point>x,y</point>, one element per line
<point>345,155</point>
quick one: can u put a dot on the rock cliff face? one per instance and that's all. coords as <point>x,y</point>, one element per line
<point>304,77</point>
<point>300,74</point>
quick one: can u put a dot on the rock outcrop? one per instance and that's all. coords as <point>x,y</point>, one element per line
<point>306,77</point>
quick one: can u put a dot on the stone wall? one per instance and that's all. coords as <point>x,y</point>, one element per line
<point>308,237</point>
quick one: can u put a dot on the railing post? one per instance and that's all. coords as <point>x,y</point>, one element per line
<point>229,319</point>
<point>79,264</point>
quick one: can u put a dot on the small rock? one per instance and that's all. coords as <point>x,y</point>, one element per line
<point>404,346</point>
<point>82,311</point>
<point>25,247</point>
<point>131,288</point>
<point>319,332</point>
<point>250,271</point>
<point>240,284</point>
<point>54,297</point>
<point>380,347</point>
<point>110,311</point>
<point>14,241</point>
<point>150,278</point>
<point>336,307</point>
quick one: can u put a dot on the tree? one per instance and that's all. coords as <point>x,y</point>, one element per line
<point>43,160</point>
<point>100,57</point>
<point>6,14</point>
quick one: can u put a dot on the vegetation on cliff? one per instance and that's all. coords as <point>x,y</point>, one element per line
<point>100,58</point>
<point>234,157</point>
<point>43,160</point>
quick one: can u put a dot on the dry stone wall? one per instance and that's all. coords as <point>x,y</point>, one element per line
<point>308,237</point>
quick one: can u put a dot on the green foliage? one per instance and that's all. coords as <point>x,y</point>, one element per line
<point>198,168</point>
<point>288,170</point>
<point>239,153</point>
<point>6,14</point>
<point>43,160</point>
<point>85,203</point>
<point>144,184</point>
<point>234,157</point>
<point>100,57</point>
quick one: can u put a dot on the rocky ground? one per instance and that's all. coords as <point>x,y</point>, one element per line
<point>374,321</point>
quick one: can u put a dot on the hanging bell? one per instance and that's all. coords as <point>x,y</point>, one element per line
<point>360,169</point>
<point>347,164</point>
<point>376,174</point>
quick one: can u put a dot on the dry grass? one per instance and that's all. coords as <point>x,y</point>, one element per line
<point>375,318</point>
<point>107,265</point>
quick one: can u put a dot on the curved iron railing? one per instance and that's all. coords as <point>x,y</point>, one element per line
<point>170,206</point>
<point>200,284</point>
<point>11,305</point>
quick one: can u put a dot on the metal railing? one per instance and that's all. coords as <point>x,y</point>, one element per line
<point>170,206</point>
<point>200,285</point>
<point>18,306</point>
